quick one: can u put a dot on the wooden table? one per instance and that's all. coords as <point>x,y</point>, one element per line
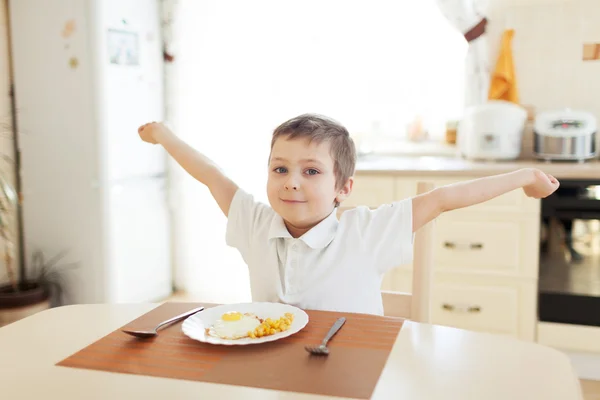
<point>427,362</point>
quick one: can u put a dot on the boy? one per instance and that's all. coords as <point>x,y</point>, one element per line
<point>296,250</point>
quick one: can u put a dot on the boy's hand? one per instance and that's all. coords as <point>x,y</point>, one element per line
<point>152,132</point>
<point>543,185</point>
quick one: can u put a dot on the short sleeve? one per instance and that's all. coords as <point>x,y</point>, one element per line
<point>246,218</point>
<point>386,233</point>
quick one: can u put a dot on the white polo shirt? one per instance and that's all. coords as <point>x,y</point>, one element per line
<point>335,266</point>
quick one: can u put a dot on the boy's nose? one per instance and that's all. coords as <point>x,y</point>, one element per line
<point>290,185</point>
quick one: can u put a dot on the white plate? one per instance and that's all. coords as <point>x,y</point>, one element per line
<point>195,325</point>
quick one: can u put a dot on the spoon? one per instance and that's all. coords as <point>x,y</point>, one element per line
<point>152,333</point>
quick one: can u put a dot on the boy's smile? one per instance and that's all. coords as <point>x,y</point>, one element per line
<point>293,201</point>
<point>301,186</point>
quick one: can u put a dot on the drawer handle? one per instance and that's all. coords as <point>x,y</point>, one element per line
<point>470,309</point>
<point>472,246</point>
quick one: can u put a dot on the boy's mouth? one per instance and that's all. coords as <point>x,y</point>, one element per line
<point>290,201</point>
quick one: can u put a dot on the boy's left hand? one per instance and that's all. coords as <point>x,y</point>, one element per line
<point>543,185</point>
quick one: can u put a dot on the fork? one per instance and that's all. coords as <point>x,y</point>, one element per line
<point>322,349</point>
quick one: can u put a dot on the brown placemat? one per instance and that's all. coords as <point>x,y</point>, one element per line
<point>358,354</point>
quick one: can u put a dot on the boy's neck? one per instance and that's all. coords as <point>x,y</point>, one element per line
<point>297,232</point>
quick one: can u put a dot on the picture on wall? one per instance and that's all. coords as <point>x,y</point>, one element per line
<point>123,47</point>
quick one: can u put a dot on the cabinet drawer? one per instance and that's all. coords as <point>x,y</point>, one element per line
<point>493,309</point>
<point>371,191</point>
<point>489,246</point>
<point>486,304</point>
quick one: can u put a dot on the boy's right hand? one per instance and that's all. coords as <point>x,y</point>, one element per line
<point>152,132</point>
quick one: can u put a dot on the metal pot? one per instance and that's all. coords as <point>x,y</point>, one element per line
<point>565,135</point>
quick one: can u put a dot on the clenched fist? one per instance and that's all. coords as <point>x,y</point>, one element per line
<point>152,132</point>
<point>543,185</point>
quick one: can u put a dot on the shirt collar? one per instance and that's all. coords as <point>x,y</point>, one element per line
<point>318,237</point>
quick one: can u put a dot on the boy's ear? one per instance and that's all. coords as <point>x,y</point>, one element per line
<point>345,190</point>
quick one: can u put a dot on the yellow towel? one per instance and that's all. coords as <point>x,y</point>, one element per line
<point>504,83</point>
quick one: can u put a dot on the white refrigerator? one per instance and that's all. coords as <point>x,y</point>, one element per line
<point>87,74</point>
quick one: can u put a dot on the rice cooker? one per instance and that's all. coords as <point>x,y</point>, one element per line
<point>567,135</point>
<point>492,131</point>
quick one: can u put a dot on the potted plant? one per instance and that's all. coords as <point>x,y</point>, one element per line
<point>21,296</point>
<point>29,289</point>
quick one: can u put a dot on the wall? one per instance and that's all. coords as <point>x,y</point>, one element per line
<point>5,117</point>
<point>548,51</point>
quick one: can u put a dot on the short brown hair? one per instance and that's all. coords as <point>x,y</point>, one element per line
<point>320,129</point>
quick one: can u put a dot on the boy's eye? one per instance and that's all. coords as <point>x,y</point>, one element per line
<point>280,170</point>
<point>312,171</point>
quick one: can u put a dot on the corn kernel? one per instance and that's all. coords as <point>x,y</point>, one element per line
<point>271,327</point>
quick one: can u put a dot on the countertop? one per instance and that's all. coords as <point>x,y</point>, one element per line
<point>457,166</point>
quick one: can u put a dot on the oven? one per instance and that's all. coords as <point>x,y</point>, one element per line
<point>569,262</point>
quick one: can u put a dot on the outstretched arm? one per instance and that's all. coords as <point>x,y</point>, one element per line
<point>196,164</point>
<point>428,206</point>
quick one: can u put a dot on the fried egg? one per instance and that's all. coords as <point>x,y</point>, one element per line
<point>234,325</point>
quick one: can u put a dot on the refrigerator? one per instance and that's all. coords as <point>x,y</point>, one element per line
<point>87,73</point>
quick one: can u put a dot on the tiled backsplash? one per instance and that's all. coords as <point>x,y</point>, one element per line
<point>548,50</point>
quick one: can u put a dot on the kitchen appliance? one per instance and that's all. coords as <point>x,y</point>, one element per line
<point>567,135</point>
<point>87,74</point>
<point>569,267</point>
<point>492,131</point>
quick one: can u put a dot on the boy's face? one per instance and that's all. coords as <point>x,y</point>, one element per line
<point>301,184</point>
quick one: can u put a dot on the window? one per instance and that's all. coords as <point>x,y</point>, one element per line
<point>243,67</point>
<point>375,64</point>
